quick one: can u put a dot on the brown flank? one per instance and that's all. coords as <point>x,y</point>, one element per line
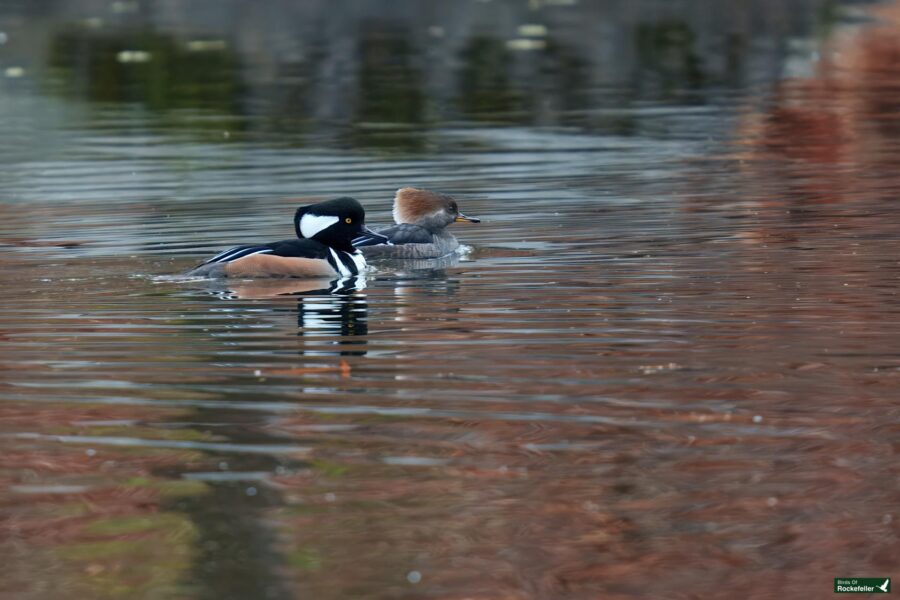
<point>265,265</point>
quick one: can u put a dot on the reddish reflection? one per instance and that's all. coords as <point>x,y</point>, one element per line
<point>833,137</point>
<point>93,516</point>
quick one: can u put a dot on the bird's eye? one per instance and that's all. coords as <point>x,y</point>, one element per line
<point>348,220</point>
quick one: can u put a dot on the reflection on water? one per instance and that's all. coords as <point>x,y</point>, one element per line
<point>341,316</point>
<point>143,66</point>
<point>665,367</point>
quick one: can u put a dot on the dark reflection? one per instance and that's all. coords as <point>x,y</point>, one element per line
<point>486,92</point>
<point>235,554</point>
<point>161,71</point>
<point>239,553</point>
<point>567,73</point>
<point>390,91</point>
<point>667,56</point>
<point>289,100</point>
<point>382,77</point>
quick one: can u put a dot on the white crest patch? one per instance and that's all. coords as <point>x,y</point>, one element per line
<point>311,225</point>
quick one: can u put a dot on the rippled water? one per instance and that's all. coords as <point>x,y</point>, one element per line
<point>667,365</point>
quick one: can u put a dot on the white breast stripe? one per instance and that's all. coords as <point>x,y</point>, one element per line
<point>360,261</point>
<point>310,225</point>
<point>343,270</point>
<point>348,261</point>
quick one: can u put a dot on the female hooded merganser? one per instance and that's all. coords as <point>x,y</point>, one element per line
<point>324,248</point>
<point>422,217</point>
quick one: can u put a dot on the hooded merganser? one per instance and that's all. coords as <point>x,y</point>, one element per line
<point>422,217</point>
<point>324,248</point>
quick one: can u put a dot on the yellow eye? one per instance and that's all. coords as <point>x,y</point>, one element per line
<point>348,220</point>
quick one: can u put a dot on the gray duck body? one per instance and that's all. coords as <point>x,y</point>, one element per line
<point>440,244</point>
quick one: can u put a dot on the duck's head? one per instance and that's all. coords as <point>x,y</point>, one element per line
<point>334,223</point>
<point>428,209</point>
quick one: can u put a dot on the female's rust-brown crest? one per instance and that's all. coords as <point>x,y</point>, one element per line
<point>412,204</point>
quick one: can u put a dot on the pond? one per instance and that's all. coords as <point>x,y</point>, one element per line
<point>665,364</point>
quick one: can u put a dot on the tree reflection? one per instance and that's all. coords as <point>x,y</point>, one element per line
<point>390,97</point>
<point>485,89</point>
<point>146,67</point>
<point>668,58</point>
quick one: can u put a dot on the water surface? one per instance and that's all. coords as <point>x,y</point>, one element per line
<point>667,365</point>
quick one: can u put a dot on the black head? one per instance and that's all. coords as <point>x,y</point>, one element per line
<point>334,222</point>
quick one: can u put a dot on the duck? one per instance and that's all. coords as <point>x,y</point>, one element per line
<point>421,218</point>
<point>323,248</point>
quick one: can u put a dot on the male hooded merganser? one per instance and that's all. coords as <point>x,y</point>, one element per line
<point>324,248</point>
<point>422,217</point>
